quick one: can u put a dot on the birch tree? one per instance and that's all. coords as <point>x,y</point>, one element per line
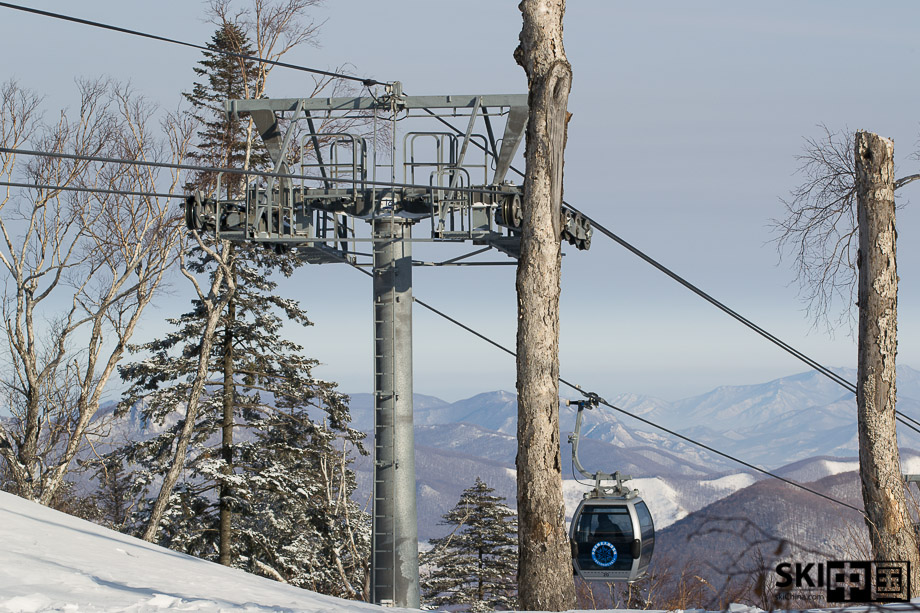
<point>79,268</point>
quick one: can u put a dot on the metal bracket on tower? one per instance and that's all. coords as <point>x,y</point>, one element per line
<point>600,490</point>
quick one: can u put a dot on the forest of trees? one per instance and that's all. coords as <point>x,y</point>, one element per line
<point>236,452</point>
<point>245,457</point>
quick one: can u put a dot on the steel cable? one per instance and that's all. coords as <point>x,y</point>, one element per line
<point>96,24</point>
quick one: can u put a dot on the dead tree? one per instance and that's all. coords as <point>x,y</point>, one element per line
<point>545,580</point>
<point>890,527</point>
<point>840,221</point>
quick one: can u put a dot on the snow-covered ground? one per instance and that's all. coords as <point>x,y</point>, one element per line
<point>50,561</point>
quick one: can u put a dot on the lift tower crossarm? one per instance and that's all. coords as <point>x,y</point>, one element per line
<point>284,105</point>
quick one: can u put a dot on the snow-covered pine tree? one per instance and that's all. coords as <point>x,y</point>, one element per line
<point>113,495</point>
<point>306,527</point>
<point>475,566</point>
<point>288,481</point>
<point>267,478</point>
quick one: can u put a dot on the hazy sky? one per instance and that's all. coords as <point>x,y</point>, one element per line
<point>687,121</point>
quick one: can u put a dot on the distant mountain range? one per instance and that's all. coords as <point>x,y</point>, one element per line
<point>802,427</point>
<point>769,424</point>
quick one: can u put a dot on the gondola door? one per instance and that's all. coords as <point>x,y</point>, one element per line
<point>606,536</point>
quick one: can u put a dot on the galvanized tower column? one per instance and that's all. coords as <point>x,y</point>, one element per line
<point>395,539</point>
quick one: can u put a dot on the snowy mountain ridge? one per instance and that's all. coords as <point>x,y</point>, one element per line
<point>774,424</point>
<point>769,424</point>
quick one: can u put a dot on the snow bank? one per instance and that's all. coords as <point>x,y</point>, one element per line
<point>50,561</point>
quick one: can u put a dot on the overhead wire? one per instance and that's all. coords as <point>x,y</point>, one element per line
<point>367,82</point>
<point>96,24</point>
<point>509,352</point>
<point>497,345</point>
<point>648,422</point>
<point>92,190</point>
<point>905,419</point>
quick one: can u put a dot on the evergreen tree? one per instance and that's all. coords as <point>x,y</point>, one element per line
<point>267,478</point>
<point>306,527</point>
<point>224,141</point>
<point>286,481</point>
<point>114,494</point>
<point>476,564</point>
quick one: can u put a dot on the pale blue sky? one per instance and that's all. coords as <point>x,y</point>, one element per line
<point>687,120</point>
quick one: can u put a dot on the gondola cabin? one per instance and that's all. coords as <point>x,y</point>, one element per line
<point>612,539</point>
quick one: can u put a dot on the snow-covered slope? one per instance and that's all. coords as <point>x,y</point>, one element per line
<point>50,561</point>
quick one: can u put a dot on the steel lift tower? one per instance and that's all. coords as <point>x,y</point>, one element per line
<point>335,163</point>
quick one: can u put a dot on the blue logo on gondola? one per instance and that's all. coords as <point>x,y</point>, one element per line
<point>604,554</point>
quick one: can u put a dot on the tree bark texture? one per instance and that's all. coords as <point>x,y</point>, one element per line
<point>215,306</point>
<point>226,443</point>
<point>545,580</point>
<point>890,528</point>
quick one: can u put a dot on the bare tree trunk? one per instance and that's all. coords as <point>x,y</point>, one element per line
<point>545,580</point>
<point>226,444</point>
<point>215,302</point>
<point>890,528</point>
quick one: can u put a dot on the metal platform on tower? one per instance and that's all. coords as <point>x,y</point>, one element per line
<point>340,161</point>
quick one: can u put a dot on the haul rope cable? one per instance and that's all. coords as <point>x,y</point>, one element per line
<point>92,190</point>
<point>239,171</point>
<point>906,420</point>
<point>96,24</point>
<point>512,353</point>
<point>593,396</point>
<point>820,368</point>
<point>370,82</point>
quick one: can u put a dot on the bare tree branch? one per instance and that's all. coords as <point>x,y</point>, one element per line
<point>819,230</point>
<point>103,256</point>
